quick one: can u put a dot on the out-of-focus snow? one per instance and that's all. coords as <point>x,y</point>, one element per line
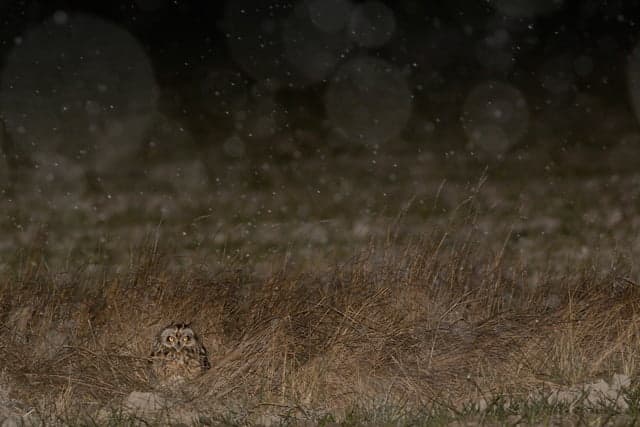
<point>329,16</point>
<point>369,100</point>
<point>80,86</point>
<point>495,116</point>
<point>372,24</point>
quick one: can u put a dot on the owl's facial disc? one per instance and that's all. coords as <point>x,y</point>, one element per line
<point>187,338</point>
<point>168,337</point>
<point>178,336</point>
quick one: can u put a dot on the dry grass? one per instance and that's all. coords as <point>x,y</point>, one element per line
<point>437,323</point>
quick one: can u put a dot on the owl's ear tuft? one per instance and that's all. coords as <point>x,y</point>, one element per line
<point>181,325</point>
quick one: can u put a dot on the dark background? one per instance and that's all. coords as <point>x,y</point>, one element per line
<point>569,62</point>
<point>197,118</point>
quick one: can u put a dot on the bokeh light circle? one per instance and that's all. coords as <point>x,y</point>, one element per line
<point>372,24</point>
<point>80,86</point>
<point>330,16</point>
<point>311,52</point>
<point>495,116</point>
<point>368,100</point>
<point>279,42</point>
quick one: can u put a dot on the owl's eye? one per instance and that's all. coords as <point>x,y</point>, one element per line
<point>186,339</point>
<point>171,338</point>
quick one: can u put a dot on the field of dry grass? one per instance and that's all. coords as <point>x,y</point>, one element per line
<point>427,299</point>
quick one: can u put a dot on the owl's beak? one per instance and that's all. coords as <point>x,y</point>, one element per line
<point>178,346</point>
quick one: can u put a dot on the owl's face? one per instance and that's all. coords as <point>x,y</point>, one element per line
<point>178,337</point>
<point>177,354</point>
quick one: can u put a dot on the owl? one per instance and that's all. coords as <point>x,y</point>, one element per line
<point>178,355</point>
